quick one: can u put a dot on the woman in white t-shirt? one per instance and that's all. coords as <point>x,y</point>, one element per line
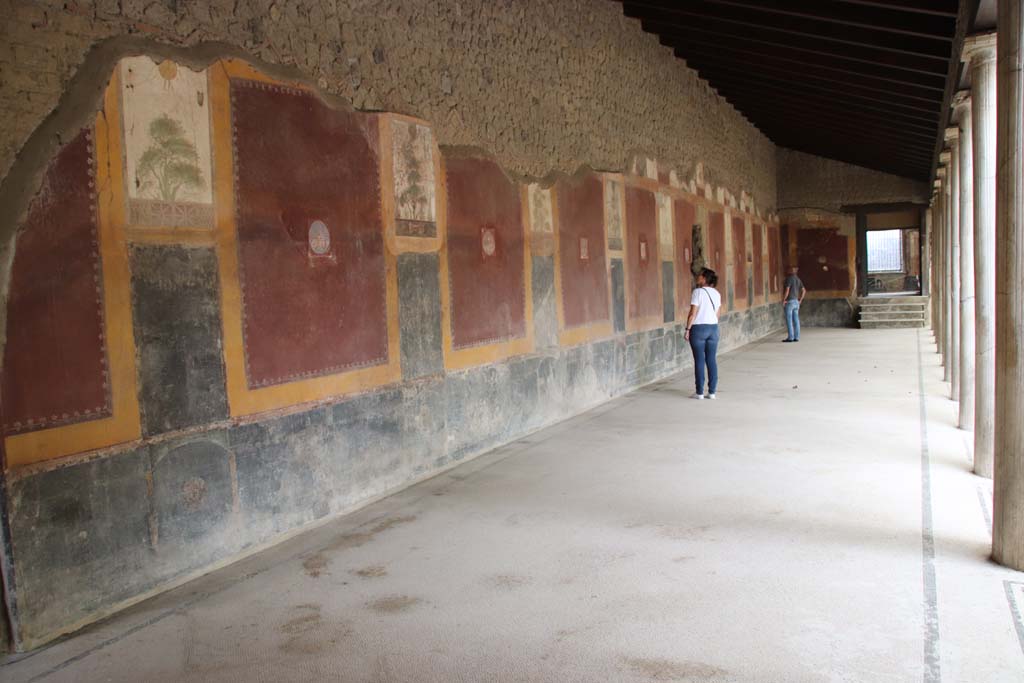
<point>702,331</point>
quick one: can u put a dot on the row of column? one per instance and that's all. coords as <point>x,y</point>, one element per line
<point>977,255</point>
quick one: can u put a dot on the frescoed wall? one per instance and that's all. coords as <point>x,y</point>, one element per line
<point>822,245</point>
<point>823,257</point>
<point>237,308</point>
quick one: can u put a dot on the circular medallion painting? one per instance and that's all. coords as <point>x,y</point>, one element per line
<point>319,238</point>
<point>488,241</point>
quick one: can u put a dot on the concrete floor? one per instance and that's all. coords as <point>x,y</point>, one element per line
<point>773,535</point>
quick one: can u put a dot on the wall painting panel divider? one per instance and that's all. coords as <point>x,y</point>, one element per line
<point>715,252</point>
<point>541,217</point>
<point>167,158</point>
<point>413,201</point>
<point>774,261</point>
<point>739,262</point>
<point>758,235</point>
<point>685,219</point>
<point>614,211</point>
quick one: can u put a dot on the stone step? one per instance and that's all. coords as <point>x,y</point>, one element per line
<point>893,300</point>
<point>893,307</point>
<point>890,324</point>
<point>892,315</point>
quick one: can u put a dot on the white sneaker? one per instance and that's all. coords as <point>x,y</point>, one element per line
<point>699,397</point>
<point>712,397</point>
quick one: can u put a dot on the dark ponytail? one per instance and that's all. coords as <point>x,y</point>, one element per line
<point>710,277</point>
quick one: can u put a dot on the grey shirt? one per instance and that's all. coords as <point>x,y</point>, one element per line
<point>795,285</point>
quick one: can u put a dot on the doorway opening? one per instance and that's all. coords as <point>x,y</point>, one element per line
<point>894,262</point>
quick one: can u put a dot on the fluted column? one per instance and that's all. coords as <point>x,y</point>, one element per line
<point>962,117</point>
<point>980,55</point>
<point>1008,501</point>
<point>953,140</point>
<point>942,272</point>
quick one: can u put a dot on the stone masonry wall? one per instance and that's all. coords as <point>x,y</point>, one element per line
<point>811,182</point>
<point>544,85</point>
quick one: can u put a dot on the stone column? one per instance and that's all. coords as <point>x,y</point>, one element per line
<point>933,262</point>
<point>1008,501</point>
<point>941,274</point>
<point>953,140</point>
<point>980,54</point>
<point>949,258</point>
<point>962,116</point>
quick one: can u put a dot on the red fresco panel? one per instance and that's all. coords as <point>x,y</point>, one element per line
<point>758,236</point>
<point>775,275</point>
<point>314,294</point>
<point>55,360</point>
<point>739,259</point>
<point>485,253</point>
<point>824,259</point>
<point>685,217</point>
<point>581,246</point>
<point>644,270</point>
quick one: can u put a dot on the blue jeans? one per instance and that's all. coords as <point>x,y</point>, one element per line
<point>704,344</point>
<point>792,308</point>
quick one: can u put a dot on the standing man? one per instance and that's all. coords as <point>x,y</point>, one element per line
<point>792,298</point>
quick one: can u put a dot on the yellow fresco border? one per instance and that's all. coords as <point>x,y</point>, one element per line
<point>242,400</point>
<point>460,359</point>
<point>602,329</point>
<point>124,422</point>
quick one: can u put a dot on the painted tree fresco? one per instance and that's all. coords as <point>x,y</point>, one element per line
<point>540,209</point>
<point>165,123</point>
<point>613,214</point>
<point>665,237</point>
<point>415,197</point>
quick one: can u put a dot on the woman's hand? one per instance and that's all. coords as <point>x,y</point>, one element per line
<point>686,335</point>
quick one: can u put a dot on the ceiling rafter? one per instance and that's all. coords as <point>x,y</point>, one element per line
<point>861,81</point>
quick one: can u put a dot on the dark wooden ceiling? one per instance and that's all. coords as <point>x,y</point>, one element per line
<point>861,81</point>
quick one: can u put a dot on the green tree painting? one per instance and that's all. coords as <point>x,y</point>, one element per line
<point>170,164</point>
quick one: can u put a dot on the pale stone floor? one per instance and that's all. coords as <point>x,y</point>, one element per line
<point>772,535</point>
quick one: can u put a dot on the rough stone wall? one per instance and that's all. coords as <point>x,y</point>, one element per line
<point>544,85</point>
<point>806,181</point>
